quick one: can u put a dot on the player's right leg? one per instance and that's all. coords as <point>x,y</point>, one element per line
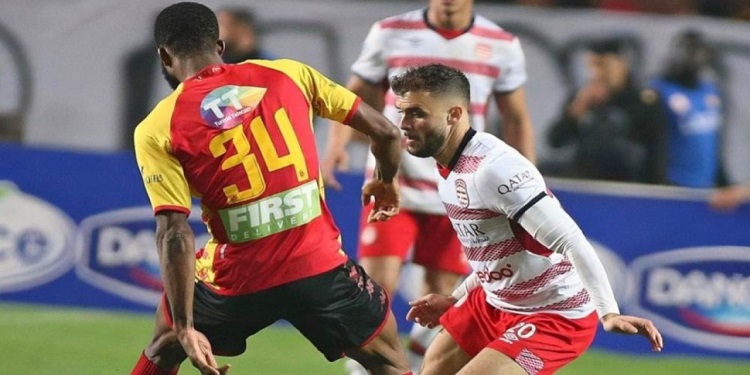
<point>444,356</point>
<point>383,354</point>
<point>344,312</point>
<point>437,249</point>
<point>383,247</point>
<point>164,353</point>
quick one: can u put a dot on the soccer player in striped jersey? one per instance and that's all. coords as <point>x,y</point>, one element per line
<point>239,137</point>
<point>447,32</point>
<point>537,288</point>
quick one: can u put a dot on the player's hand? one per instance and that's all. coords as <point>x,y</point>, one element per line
<point>198,349</point>
<point>634,325</point>
<point>728,198</point>
<point>386,199</point>
<point>427,310</point>
<point>334,160</point>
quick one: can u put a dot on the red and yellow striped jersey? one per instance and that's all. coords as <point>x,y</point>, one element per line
<point>240,137</point>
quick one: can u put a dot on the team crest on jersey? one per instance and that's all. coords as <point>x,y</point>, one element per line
<point>228,106</point>
<point>483,51</point>
<point>461,193</point>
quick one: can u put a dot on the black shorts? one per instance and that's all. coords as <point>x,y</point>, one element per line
<point>336,310</point>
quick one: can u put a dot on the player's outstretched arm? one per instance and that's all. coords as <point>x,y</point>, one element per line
<point>336,158</point>
<point>385,144</point>
<point>175,242</point>
<point>554,228</point>
<point>634,325</point>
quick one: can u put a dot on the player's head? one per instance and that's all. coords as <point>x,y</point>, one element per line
<point>608,63</point>
<point>432,99</point>
<point>689,54</point>
<point>450,7</point>
<point>182,32</point>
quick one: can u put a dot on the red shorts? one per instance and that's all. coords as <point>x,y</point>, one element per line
<point>541,343</point>
<point>432,236</point>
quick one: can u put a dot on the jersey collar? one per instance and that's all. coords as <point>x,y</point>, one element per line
<point>445,171</point>
<point>445,33</point>
<point>208,71</point>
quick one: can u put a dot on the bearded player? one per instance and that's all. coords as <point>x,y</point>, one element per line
<point>537,290</point>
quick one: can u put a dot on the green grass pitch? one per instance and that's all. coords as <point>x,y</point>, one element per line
<point>43,340</point>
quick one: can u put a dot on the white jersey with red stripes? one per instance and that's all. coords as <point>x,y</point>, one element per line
<point>491,58</point>
<point>487,187</point>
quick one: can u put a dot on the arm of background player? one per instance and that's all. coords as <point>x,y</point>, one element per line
<point>336,157</point>
<point>517,128</point>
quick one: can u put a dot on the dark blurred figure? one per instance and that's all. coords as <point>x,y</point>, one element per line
<point>615,126</point>
<point>694,108</point>
<point>141,66</point>
<point>237,28</point>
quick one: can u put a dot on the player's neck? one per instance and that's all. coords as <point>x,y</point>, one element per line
<point>452,143</point>
<point>460,20</point>
<point>194,65</point>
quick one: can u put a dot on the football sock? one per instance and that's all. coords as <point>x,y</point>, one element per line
<point>146,367</point>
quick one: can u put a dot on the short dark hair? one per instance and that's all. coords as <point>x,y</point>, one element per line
<point>435,78</point>
<point>186,28</point>
<point>612,45</point>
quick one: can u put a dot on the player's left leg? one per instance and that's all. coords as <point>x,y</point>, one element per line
<point>492,362</point>
<point>164,353</point>
<point>437,248</point>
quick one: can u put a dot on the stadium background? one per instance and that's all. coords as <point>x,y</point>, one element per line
<point>75,231</point>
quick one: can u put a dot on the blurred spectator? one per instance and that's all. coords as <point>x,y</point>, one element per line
<point>694,112</point>
<point>237,30</point>
<point>615,127</point>
<point>141,66</point>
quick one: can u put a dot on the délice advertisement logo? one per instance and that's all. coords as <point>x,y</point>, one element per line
<point>700,295</point>
<point>36,240</point>
<point>117,253</point>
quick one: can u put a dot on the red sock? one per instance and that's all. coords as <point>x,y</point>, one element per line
<point>146,367</point>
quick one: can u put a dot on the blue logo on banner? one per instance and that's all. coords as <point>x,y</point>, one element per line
<point>700,295</point>
<point>36,240</point>
<point>118,253</point>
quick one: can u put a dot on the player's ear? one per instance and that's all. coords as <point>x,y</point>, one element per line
<point>220,47</point>
<point>165,57</point>
<point>454,114</point>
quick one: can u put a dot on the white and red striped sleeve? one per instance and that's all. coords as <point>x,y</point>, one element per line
<point>510,184</point>
<point>371,64</point>
<point>512,66</point>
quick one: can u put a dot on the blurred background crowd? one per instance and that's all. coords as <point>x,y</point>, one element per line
<point>736,9</point>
